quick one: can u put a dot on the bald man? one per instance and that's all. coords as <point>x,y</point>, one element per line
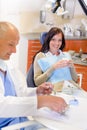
<point>17,101</point>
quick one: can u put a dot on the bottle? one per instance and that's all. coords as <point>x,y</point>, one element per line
<point>42,16</point>
<point>80,52</point>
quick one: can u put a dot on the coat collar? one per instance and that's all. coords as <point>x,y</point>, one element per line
<point>3,65</point>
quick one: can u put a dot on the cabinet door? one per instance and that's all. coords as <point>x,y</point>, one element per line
<point>33,47</point>
<point>83,70</point>
<point>76,45</point>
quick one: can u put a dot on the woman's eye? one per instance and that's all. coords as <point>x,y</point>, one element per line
<point>53,39</point>
<point>60,40</point>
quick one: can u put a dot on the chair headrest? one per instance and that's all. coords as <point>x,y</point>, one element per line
<point>42,37</point>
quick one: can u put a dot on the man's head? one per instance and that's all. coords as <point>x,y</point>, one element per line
<point>9,38</point>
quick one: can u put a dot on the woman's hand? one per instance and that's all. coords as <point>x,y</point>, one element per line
<point>63,63</point>
<point>45,88</point>
<point>57,104</point>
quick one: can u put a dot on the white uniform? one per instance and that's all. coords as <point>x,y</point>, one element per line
<point>25,103</point>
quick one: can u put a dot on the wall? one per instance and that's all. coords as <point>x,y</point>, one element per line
<point>11,11</point>
<point>25,15</point>
<point>30,20</point>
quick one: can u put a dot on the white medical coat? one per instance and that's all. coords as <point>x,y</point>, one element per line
<point>25,103</point>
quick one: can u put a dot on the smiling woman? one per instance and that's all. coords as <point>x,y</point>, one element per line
<point>51,64</point>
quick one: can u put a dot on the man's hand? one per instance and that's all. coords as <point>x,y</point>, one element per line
<point>45,88</point>
<point>55,103</point>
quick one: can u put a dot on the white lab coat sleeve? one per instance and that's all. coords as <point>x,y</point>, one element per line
<point>24,104</point>
<point>18,106</point>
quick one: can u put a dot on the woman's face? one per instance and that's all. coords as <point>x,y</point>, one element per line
<point>55,43</point>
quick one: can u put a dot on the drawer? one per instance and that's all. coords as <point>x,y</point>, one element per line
<point>33,47</point>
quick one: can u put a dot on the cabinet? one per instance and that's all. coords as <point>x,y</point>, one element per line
<point>76,45</point>
<point>34,46</point>
<point>83,70</point>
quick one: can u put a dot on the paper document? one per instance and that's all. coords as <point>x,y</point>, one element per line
<point>75,116</point>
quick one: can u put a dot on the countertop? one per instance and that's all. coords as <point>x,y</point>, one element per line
<point>80,60</point>
<point>36,36</point>
<point>76,37</point>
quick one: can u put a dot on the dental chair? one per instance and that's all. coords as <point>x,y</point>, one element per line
<point>30,73</point>
<point>30,77</point>
<point>80,79</point>
<point>42,37</point>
